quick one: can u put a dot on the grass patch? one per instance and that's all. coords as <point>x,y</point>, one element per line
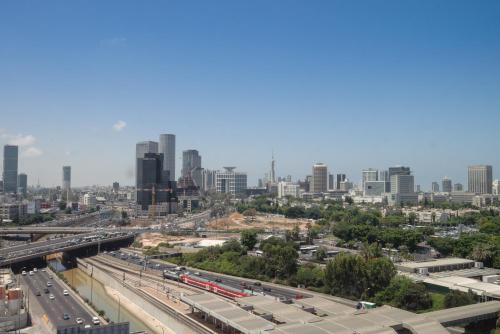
<point>437,302</point>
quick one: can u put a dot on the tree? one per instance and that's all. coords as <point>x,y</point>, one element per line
<point>346,276</point>
<point>456,298</point>
<point>321,253</point>
<point>62,206</point>
<point>250,212</point>
<point>404,293</point>
<point>249,238</point>
<point>380,272</point>
<point>482,253</point>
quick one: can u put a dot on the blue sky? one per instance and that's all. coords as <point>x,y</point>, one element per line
<point>354,84</point>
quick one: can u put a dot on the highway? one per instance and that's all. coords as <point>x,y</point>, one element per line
<point>231,281</point>
<point>60,304</point>
<point>38,249</point>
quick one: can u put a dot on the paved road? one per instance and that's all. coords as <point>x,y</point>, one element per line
<point>231,281</point>
<point>61,304</point>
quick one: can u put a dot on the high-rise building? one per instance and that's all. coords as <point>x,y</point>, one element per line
<point>384,176</point>
<point>331,182</point>
<point>153,186</point>
<point>116,187</point>
<point>435,187</point>
<point>458,187</point>
<point>272,174</point>
<point>208,180</point>
<point>403,190</point>
<point>230,182</point>
<point>22,184</point>
<point>191,159</point>
<point>167,148</point>
<point>446,185</point>
<point>340,178</point>
<point>480,179</point>
<point>374,188</point>
<point>10,161</point>
<point>397,170</point>
<point>66,179</point>
<point>496,187</point>
<point>369,174</point>
<point>288,189</point>
<point>144,147</point>
<point>319,178</point>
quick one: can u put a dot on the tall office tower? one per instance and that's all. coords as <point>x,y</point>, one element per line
<point>458,187</point>
<point>144,147</point>
<point>340,179</point>
<point>116,187</point>
<point>496,187</point>
<point>153,183</point>
<point>331,182</point>
<point>418,188</point>
<point>403,190</point>
<point>435,187</point>
<point>66,179</point>
<point>369,174</point>
<point>446,185</point>
<point>1,186</point>
<point>10,158</point>
<point>191,159</point>
<point>22,184</point>
<point>288,178</point>
<point>480,179</point>
<point>272,174</point>
<point>384,176</point>
<point>230,182</point>
<point>167,148</point>
<point>397,170</point>
<point>319,178</point>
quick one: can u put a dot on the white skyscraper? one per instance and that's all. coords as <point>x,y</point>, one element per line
<point>480,179</point>
<point>167,147</point>
<point>319,182</point>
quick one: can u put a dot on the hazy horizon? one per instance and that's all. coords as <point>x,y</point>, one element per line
<point>352,84</point>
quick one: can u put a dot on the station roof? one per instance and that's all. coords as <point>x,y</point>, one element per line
<point>434,263</point>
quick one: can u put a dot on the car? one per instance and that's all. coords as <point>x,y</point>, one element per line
<point>79,321</point>
<point>65,292</point>
<point>218,280</point>
<point>23,273</point>
<point>31,273</point>
<point>66,316</point>
<point>35,270</point>
<point>51,297</point>
<point>38,293</point>
<point>197,273</point>
<point>43,270</point>
<point>257,283</point>
<point>266,289</point>
<point>49,284</point>
<point>50,276</point>
<point>87,326</point>
<point>45,290</point>
<point>96,321</point>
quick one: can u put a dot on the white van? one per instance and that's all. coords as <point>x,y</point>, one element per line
<point>96,321</point>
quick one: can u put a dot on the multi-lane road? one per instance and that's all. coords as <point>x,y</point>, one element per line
<point>61,304</point>
<point>230,281</point>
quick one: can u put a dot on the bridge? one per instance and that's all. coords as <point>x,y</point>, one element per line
<point>41,249</point>
<point>45,230</point>
<point>466,314</point>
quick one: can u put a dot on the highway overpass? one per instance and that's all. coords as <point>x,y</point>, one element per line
<point>45,230</point>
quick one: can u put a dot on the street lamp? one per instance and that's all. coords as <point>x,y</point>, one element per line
<point>119,306</point>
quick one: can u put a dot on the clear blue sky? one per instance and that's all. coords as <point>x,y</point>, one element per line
<point>354,84</point>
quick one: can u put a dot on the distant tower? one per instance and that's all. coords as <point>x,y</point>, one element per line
<point>66,180</point>
<point>22,184</point>
<point>480,179</point>
<point>10,160</point>
<point>319,178</point>
<point>167,148</point>
<point>272,176</point>
<point>446,185</point>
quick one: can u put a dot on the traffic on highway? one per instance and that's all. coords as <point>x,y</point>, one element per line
<point>59,303</point>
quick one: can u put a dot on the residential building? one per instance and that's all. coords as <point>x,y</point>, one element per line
<point>22,184</point>
<point>480,179</point>
<point>346,185</point>
<point>435,187</point>
<point>461,197</point>
<point>288,189</point>
<point>446,185</point>
<point>90,200</point>
<point>496,187</point>
<point>10,164</point>
<point>153,185</point>
<point>319,178</point>
<point>167,148</point>
<point>12,211</point>
<point>230,182</point>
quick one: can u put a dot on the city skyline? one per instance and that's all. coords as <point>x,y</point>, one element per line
<point>378,96</point>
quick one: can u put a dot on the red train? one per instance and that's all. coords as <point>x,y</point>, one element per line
<point>212,286</point>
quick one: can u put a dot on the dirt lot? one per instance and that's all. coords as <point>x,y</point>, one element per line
<point>238,221</point>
